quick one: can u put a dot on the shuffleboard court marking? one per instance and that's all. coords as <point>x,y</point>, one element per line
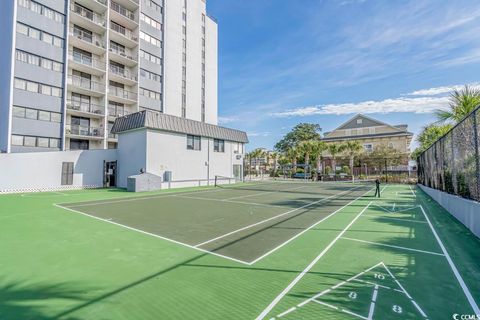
<point>272,218</point>
<point>392,246</point>
<point>455,271</point>
<point>153,235</point>
<point>376,291</point>
<point>269,308</point>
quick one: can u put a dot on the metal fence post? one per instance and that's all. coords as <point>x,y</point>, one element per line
<point>477,155</point>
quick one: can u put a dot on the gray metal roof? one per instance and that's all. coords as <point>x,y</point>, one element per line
<point>164,122</point>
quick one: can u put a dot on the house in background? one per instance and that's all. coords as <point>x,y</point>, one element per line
<point>371,133</point>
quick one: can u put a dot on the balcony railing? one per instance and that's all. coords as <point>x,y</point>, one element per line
<point>86,60</point>
<point>104,2</point>
<point>117,111</point>
<point>122,10</point>
<point>85,131</point>
<point>122,72</point>
<point>112,135</point>
<point>86,83</point>
<point>122,93</point>
<point>124,31</point>
<point>90,15</point>
<point>85,107</point>
<point>124,52</point>
<point>87,37</point>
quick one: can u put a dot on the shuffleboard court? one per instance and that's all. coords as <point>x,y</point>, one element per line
<point>241,222</point>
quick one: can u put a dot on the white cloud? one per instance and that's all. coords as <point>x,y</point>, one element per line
<point>414,105</point>
<point>226,120</point>
<point>441,90</point>
<point>259,134</point>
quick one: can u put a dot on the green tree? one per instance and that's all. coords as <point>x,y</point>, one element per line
<point>317,151</point>
<point>293,154</point>
<point>301,132</point>
<point>335,149</point>
<point>428,136</point>
<point>462,103</point>
<point>352,149</point>
<point>274,156</point>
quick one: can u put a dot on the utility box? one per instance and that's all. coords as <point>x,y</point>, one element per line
<point>167,176</point>
<point>144,182</point>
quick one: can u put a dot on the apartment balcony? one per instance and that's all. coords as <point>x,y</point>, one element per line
<point>92,65</point>
<point>122,75</point>
<point>121,95</point>
<point>123,56</point>
<point>93,43</point>
<point>77,108</point>
<point>84,132</point>
<point>123,35</point>
<point>87,19</point>
<point>112,137</point>
<point>123,15</point>
<point>98,6</point>
<point>85,86</point>
<point>116,111</point>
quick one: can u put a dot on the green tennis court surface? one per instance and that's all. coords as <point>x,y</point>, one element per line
<point>269,250</point>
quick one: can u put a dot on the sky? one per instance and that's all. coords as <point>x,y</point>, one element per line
<point>282,62</point>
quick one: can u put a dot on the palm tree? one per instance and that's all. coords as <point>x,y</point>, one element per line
<point>352,148</point>
<point>256,154</point>
<point>292,154</point>
<point>307,148</point>
<point>462,103</point>
<point>334,149</point>
<point>274,155</point>
<point>318,147</point>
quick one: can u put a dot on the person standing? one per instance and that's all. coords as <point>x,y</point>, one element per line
<point>377,189</point>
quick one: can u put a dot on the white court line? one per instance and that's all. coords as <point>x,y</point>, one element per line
<point>393,208</point>
<point>310,266</point>
<point>372,304</point>
<point>286,312</point>
<point>238,202</point>
<point>262,193</point>
<point>390,218</point>
<point>392,246</point>
<point>354,314</point>
<point>413,192</point>
<point>152,234</point>
<point>404,291</point>
<point>271,218</point>
<point>465,289</point>
<point>325,304</point>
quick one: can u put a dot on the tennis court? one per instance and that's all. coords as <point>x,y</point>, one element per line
<point>260,250</point>
<point>241,222</point>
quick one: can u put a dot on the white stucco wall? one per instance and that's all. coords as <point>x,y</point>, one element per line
<point>131,154</point>
<point>168,152</point>
<point>43,170</point>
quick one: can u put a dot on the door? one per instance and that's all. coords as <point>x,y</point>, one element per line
<point>237,172</point>
<point>110,174</point>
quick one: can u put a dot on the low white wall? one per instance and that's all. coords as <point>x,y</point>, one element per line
<point>37,171</point>
<point>466,211</point>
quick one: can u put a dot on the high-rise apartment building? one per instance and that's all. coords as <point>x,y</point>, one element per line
<point>69,68</point>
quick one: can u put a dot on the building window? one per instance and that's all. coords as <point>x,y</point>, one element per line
<point>40,35</point>
<point>368,147</point>
<point>359,121</point>
<point>43,10</point>
<point>194,142</point>
<point>238,147</point>
<point>31,141</point>
<point>37,88</point>
<point>38,61</point>
<point>218,145</point>
<point>76,144</point>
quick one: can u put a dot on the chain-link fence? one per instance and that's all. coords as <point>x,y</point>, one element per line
<point>452,163</point>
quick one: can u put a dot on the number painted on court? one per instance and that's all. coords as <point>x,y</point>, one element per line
<point>352,295</point>
<point>379,276</point>
<point>397,309</point>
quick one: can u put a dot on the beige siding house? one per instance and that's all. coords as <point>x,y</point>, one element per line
<point>370,133</point>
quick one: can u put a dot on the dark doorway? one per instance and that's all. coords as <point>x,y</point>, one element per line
<point>110,174</point>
